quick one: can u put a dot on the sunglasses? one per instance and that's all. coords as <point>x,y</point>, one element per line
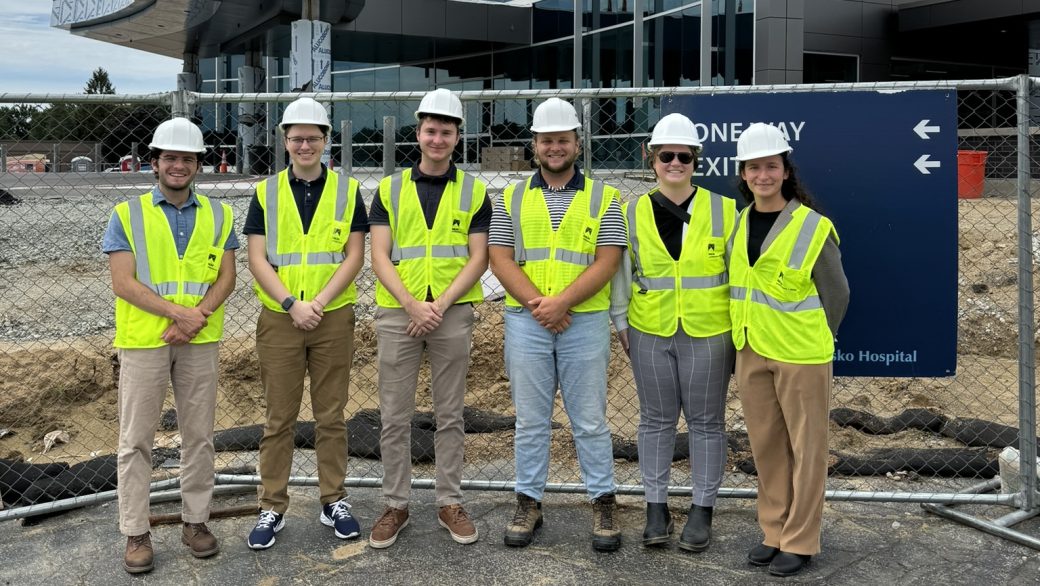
<point>666,157</point>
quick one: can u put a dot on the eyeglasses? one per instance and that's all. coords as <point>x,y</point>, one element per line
<point>667,157</point>
<point>311,140</point>
<point>172,160</point>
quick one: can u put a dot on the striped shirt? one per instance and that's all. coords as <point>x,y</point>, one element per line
<point>612,223</point>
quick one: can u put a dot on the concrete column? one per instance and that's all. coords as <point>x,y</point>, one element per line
<point>189,79</point>
<point>779,41</point>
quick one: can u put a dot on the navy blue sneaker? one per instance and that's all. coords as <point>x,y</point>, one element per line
<point>262,536</point>
<point>338,515</point>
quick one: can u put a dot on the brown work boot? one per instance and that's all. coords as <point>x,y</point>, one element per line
<point>203,544</point>
<point>138,558</point>
<point>606,533</point>
<point>456,521</point>
<point>387,526</point>
<point>526,519</point>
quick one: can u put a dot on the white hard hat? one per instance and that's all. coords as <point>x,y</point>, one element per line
<point>555,115</point>
<point>761,140</point>
<point>178,134</point>
<point>675,129</point>
<point>442,103</point>
<point>305,111</point>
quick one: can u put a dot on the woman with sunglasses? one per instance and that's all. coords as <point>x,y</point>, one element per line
<point>671,311</point>
<point>789,294</point>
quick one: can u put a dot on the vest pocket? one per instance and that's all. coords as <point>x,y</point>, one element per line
<point>339,235</point>
<point>791,284</point>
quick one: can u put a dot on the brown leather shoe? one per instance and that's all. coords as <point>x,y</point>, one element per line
<point>387,526</point>
<point>197,536</point>
<point>138,558</point>
<point>455,519</point>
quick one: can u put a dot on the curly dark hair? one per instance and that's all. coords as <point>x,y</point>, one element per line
<point>790,189</point>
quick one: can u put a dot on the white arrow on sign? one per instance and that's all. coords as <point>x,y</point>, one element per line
<point>923,164</point>
<point>922,129</point>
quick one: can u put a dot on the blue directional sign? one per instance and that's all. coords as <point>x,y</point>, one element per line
<point>883,167</point>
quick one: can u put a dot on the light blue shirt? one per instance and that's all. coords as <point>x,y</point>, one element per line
<point>182,223</point>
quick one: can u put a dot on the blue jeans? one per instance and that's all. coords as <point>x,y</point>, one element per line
<point>538,362</point>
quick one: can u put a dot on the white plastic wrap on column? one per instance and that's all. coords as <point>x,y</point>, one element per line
<point>311,62</point>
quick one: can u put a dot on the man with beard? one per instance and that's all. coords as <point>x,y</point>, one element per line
<point>171,253</point>
<point>556,240</point>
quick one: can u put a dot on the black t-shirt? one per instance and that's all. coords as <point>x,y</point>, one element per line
<point>306,194</point>
<point>669,226</point>
<point>759,224</point>
<point>430,189</point>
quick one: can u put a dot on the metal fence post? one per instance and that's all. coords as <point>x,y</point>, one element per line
<point>3,159</point>
<point>389,142</point>
<point>1026,318</point>
<point>99,165</point>
<point>586,122</point>
<point>56,160</point>
<point>346,148</point>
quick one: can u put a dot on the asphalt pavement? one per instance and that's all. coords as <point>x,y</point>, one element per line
<point>863,543</point>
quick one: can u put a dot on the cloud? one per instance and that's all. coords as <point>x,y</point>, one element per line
<point>39,59</point>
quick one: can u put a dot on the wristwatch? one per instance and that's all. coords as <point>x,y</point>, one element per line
<point>288,302</point>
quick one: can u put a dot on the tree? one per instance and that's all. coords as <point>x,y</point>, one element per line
<point>99,83</point>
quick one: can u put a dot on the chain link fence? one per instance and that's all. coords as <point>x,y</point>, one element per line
<point>66,161</point>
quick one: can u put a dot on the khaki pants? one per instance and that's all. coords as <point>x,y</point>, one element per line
<point>144,377</point>
<point>400,356</point>
<point>286,355</point>
<point>786,410</point>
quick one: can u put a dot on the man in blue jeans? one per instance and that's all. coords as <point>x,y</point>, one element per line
<point>556,240</point>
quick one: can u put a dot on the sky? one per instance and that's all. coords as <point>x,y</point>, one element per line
<point>36,58</point>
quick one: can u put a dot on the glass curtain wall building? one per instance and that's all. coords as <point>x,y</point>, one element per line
<point>670,56</point>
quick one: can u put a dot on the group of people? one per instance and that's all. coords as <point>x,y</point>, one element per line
<point>700,287</point>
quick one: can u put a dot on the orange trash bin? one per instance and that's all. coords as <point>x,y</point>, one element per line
<point>971,174</point>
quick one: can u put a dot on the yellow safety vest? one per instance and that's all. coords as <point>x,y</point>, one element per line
<point>774,305</point>
<point>552,260</point>
<point>306,262</point>
<point>429,258</point>
<point>693,290</point>
<point>183,281</point>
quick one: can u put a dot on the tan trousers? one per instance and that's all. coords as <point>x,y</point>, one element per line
<point>786,408</point>
<point>400,356</point>
<point>287,354</point>
<point>144,377</point>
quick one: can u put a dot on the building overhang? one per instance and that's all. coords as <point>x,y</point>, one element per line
<point>208,28</point>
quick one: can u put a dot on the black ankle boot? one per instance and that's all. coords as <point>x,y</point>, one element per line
<point>659,525</point>
<point>696,535</point>
<point>788,564</point>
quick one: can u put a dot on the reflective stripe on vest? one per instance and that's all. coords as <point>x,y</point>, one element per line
<point>522,254</point>
<point>397,254</point>
<point>144,269</point>
<point>296,258</point>
<point>810,302</point>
